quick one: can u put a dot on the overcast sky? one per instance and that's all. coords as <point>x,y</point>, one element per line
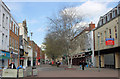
<point>36,11</point>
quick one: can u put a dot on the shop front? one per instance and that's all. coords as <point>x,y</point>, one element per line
<point>4,59</point>
<point>15,58</point>
<point>109,58</point>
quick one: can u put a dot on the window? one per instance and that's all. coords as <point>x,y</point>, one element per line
<point>113,14</point>
<point>10,40</point>
<point>6,21</point>
<point>3,39</point>
<point>101,38</point>
<point>110,33</point>
<point>6,39</point>
<point>106,19</point>
<point>16,31</point>
<point>13,42</point>
<point>14,28</point>
<point>11,25</point>
<point>119,9</point>
<point>110,15</point>
<point>3,20</point>
<point>115,29</point>
<point>15,45</point>
<point>105,35</point>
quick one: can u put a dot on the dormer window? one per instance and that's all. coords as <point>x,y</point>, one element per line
<point>104,20</point>
<point>113,14</point>
<point>110,15</point>
<point>119,9</point>
<point>116,12</point>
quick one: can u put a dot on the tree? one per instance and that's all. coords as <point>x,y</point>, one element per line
<point>62,29</point>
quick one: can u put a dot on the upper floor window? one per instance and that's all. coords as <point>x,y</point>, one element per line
<point>13,42</point>
<point>105,35</point>
<point>114,13</point>
<point>11,25</point>
<point>10,40</point>
<point>2,38</point>
<point>104,20</point>
<point>16,31</point>
<point>6,20</point>
<point>3,20</point>
<point>115,30</point>
<point>14,28</point>
<point>110,33</point>
<point>110,15</point>
<point>119,9</point>
<point>101,38</point>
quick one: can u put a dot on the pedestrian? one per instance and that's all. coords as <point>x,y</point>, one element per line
<point>58,63</point>
<point>80,64</point>
<point>52,62</point>
<point>12,66</point>
<point>83,65</point>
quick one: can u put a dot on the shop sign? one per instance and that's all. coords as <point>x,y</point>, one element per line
<point>109,41</point>
<point>7,54</point>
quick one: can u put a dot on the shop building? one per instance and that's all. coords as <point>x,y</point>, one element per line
<point>85,50</point>
<point>4,35</point>
<point>23,43</point>
<point>107,39</point>
<point>14,41</point>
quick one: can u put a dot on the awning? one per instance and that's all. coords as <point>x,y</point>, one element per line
<point>5,57</point>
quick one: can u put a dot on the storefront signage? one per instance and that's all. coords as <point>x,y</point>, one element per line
<point>109,41</point>
<point>7,54</point>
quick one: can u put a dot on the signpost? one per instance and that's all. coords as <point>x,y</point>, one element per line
<point>109,41</point>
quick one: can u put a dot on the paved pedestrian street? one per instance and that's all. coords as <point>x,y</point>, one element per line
<point>48,71</point>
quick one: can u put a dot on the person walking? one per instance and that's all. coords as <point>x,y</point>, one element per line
<point>58,63</point>
<point>83,65</point>
<point>12,66</point>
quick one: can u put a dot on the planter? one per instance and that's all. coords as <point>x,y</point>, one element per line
<point>11,73</point>
<point>35,72</point>
<point>20,73</point>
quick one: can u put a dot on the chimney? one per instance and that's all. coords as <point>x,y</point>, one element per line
<point>91,26</point>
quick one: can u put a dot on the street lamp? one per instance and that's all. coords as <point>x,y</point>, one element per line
<point>99,51</point>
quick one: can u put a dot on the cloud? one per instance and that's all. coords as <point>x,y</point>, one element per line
<point>91,10</point>
<point>59,0</point>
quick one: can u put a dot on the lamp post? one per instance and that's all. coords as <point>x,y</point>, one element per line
<point>99,51</point>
